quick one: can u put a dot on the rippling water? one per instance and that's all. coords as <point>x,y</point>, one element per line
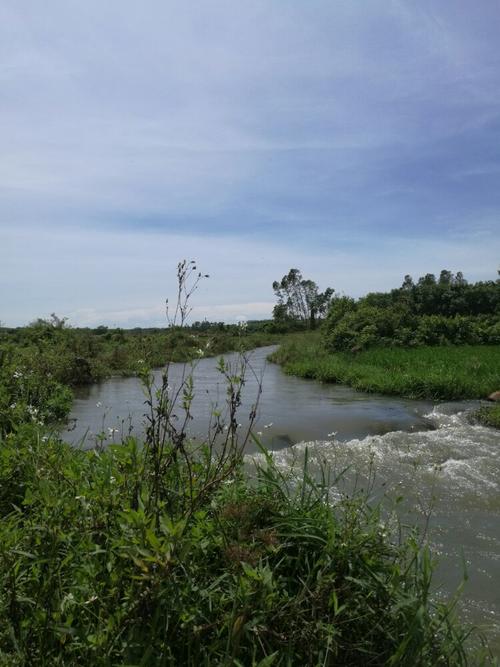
<point>449,478</point>
<point>429,454</point>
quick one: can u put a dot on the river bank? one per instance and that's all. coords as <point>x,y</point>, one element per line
<point>434,373</point>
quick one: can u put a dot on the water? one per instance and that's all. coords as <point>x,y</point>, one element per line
<point>290,409</point>
<point>447,470</point>
<point>449,479</point>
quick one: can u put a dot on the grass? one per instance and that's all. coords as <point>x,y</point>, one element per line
<point>487,415</point>
<point>263,573</point>
<point>448,372</point>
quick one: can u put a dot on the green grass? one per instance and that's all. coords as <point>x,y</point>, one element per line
<point>448,372</point>
<point>487,415</point>
<point>262,573</point>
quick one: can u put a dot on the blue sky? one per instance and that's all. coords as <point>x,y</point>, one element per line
<point>357,141</point>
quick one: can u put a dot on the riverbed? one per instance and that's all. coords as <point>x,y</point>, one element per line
<point>446,470</point>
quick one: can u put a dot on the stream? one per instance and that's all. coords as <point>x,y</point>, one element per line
<point>446,470</point>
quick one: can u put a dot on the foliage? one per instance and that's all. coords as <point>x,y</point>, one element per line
<point>267,573</point>
<point>28,393</point>
<point>299,300</point>
<point>81,356</point>
<point>487,415</point>
<point>452,372</point>
<point>448,311</point>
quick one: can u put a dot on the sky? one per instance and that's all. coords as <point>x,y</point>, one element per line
<point>355,140</point>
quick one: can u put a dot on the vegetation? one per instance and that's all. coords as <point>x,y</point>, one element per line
<point>488,415</point>
<point>447,311</point>
<point>94,571</point>
<point>300,303</point>
<point>452,372</point>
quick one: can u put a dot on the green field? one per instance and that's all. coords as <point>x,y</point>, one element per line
<point>445,372</point>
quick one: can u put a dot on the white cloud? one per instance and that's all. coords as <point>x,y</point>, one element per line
<point>254,137</point>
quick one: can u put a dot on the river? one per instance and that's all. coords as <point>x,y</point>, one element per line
<point>447,470</point>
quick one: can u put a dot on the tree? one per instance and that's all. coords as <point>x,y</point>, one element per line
<point>299,299</point>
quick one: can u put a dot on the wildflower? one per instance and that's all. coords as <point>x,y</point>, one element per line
<point>13,406</point>
<point>98,404</point>
<point>199,352</point>
<point>140,361</point>
<point>17,374</point>
<point>91,599</point>
<point>259,433</point>
<point>268,425</point>
<point>332,434</point>
<point>111,431</point>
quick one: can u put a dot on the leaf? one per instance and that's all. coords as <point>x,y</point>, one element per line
<point>268,660</point>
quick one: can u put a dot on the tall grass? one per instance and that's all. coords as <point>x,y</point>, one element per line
<point>452,372</point>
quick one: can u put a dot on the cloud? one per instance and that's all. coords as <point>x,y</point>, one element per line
<point>257,136</point>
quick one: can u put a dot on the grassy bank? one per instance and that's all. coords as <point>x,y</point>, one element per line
<point>448,372</point>
<point>487,415</point>
<point>96,568</point>
<point>75,356</point>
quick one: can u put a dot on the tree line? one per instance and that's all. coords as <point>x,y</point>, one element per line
<point>428,311</point>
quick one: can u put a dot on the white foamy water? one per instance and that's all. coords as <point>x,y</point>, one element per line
<point>449,479</point>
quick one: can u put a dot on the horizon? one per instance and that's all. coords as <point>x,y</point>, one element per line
<point>191,318</point>
<point>355,144</point>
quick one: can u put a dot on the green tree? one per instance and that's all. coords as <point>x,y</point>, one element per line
<point>300,300</point>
